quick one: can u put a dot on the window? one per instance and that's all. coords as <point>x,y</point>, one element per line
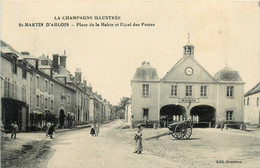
<point>44,62</point>
<point>229,115</point>
<point>37,82</point>
<point>230,91</point>
<point>37,101</point>
<point>24,71</point>
<point>51,89</point>
<point>174,90</point>
<point>68,100</point>
<point>257,101</point>
<point>248,101</point>
<point>46,103</point>
<point>11,86</point>
<point>14,65</point>
<point>13,89</point>
<point>24,93</point>
<point>189,90</point>
<point>145,113</point>
<point>203,91</point>
<point>145,89</point>
<point>46,86</point>
<point>244,102</point>
<point>7,87</point>
<point>51,104</point>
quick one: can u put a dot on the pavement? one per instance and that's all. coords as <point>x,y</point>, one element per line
<point>23,138</point>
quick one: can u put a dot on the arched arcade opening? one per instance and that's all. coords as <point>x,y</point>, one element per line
<point>171,113</point>
<point>203,116</point>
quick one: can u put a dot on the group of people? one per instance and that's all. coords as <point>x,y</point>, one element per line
<point>50,129</point>
<point>94,131</point>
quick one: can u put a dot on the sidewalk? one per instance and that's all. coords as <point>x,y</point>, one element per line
<point>24,138</point>
<point>58,130</point>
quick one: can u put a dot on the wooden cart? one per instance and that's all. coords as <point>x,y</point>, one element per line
<point>181,130</point>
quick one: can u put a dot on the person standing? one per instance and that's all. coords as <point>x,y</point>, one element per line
<point>48,125</point>
<point>138,138</point>
<point>14,129</point>
<point>92,130</point>
<point>51,130</point>
<point>146,122</point>
<point>97,130</point>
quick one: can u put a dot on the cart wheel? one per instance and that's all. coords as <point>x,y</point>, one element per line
<point>188,131</point>
<point>174,135</point>
<point>180,131</point>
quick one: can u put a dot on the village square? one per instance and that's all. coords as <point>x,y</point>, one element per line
<point>130,84</point>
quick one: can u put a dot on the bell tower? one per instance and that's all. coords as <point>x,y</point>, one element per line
<point>188,50</point>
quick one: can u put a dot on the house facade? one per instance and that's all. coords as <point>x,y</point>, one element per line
<point>15,89</point>
<point>252,105</point>
<point>35,90</point>
<point>187,91</point>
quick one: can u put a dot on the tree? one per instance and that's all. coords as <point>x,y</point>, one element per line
<point>123,102</point>
<point>121,107</point>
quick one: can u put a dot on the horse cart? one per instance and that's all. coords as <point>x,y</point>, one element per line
<point>179,130</point>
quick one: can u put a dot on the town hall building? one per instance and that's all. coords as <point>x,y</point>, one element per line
<point>187,91</point>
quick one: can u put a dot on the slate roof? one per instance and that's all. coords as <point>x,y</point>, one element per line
<point>146,72</point>
<point>227,74</point>
<point>6,48</point>
<point>254,90</point>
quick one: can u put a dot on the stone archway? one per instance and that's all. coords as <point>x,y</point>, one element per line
<point>204,115</point>
<point>171,113</point>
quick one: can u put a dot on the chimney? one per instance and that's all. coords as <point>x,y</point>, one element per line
<point>63,59</point>
<point>36,64</point>
<point>78,74</point>
<point>55,63</point>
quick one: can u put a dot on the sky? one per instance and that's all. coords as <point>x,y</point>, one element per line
<point>223,33</point>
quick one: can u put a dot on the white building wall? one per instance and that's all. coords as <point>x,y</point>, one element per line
<point>140,102</point>
<point>91,110</point>
<point>252,111</point>
<point>234,104</point>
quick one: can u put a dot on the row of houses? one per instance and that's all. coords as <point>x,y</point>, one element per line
<point>35,90</point>
<point>188,91</point>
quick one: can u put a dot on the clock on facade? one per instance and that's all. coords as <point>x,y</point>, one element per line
<point>189,71</point>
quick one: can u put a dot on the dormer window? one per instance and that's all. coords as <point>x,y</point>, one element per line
<point>14,65</point>
<point>24,70</point>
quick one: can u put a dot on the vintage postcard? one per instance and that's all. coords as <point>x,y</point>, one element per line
<point>123,84</point>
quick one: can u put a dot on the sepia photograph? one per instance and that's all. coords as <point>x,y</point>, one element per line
<point>130,84</point>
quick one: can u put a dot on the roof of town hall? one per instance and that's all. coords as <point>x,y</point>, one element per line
<point>146,73</point>
<point>228,74</point>
<point>254,90</point>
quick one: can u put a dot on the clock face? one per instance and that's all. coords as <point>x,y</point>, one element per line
<point>189,71</point>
